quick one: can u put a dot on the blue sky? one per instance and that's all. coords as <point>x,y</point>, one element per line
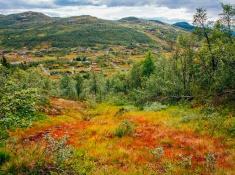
<point>166,10</point>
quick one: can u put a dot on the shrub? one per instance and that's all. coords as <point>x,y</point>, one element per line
<point>186,161</point>
<point>125,128</point>
<point>4,157</point>
<point>158,152</point>
<point>210,161</point>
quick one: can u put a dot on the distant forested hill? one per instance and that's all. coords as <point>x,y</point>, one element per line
<point>31,29</point>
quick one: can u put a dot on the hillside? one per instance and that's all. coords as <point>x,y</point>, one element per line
<point>31,29</point>
<point>162,33</point>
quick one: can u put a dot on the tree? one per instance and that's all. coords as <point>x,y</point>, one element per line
<point>185,43</point>
<point>68,87</point>
<point>79,83</point>
<point>148,65</point>
<point>200,20</point>
<point>135,76</point>
<point>228,17</point>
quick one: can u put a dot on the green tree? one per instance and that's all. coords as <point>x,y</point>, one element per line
<point>228,17</point>
<point>185,57</point>
<point>200,20</point>
<point>68,87</point>
<point>79,84</point>
<point>148,65</point>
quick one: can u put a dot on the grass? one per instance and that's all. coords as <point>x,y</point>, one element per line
<point>159,143</point>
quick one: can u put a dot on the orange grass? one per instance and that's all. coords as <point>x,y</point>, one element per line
<point>131,154</point>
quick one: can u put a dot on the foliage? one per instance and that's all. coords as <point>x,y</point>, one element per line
<point>125,128</point>
<point>148,66</point>
<point>4,157</point>
<point>68,87</point>
<point>158,152</point>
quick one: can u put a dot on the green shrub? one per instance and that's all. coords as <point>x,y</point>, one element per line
<point>158,152</point>
<point>4,157</point>
<point>125,128</point>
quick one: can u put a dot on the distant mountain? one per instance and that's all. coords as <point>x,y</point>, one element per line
<point>32,29</point>
<point>184,25</point>
<point>24,18</point>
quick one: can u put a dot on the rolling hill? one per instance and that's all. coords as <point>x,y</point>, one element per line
<point>32,29</point>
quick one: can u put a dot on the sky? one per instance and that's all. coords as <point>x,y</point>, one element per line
<point>165,10</point>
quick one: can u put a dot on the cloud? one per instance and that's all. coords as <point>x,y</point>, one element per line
<point>22,4</point>
<point>172,10</point>
<point>172,4</point>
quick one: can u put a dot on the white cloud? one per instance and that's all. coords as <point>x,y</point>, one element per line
<point>169,10</point>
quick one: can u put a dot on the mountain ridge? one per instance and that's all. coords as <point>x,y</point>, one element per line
<point>30,29</point>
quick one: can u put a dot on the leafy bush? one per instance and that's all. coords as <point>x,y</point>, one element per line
<point>125,128</point>
<point>158,152</point>
<point>4,157</point>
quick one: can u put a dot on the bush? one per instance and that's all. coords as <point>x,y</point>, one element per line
<point>210,161</point>
<point>4,157</point>
<point>125,128</point>
<point>186,161</point>
<point>158,152</point>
